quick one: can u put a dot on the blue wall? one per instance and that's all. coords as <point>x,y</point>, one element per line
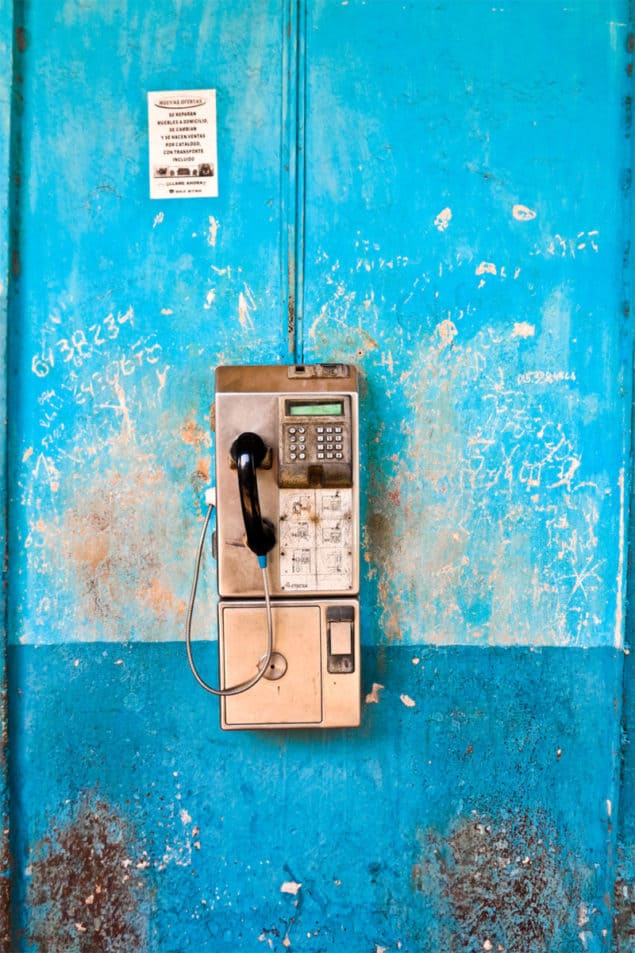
<point>438,192</point>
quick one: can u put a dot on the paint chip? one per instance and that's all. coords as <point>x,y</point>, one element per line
<point>447,331</point>
<point>373,696</point>
<point>212,231</point>
<point>290,886</point>
<point>407,701</point>
<point>522,329</point>
<point>443,219</point>
<point>486,268</point>
<point>522,213</point>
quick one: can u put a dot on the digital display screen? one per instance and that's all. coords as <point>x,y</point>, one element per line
<point>334,409</point>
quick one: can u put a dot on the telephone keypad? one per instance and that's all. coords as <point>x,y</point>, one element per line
<point>313,443</point>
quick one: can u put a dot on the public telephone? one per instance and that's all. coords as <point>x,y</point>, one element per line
<point>287,546</point>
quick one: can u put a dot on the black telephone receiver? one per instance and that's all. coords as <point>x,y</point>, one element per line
<point>248,451</point>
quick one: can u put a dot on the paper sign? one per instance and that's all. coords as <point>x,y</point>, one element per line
<point>182,139</point>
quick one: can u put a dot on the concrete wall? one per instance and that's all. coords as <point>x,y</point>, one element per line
<point>438,192</point>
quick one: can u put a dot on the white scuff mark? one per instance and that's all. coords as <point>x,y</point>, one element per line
<point>185,817</point>
<point>158,219</point>
<point>407,701</point>
<point>212,231</point>
<point>443,219</point>
<point>128,426</point>
<point>609,807</point>
<point>380,949</point>
<point>290,886</point>
<point>415,661</point>
<point>27,453</point>
<point>209,298</point>
<point>618,639</point>
<point>51,473</point>
<point>162,377</point>
<point>119,661</point>
<point>167,311</point>
<point>487,945</point>
<point>614,27</point>
<point>225,272</point>
<point>246,304</point>
<point>522,329</point>
<point>522,213</point>
<point>447,331</point>
<point>373,696</point>
<point>486,268</point>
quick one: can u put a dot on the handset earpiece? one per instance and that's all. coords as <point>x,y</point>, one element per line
<point>248,451</point>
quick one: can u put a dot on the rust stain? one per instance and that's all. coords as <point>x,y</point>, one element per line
<point>113,544</point>
<point>624,919</point>
<point>506,883</point>
<point>160,598</point>
<point>193,434</point>
<point>21,40</point>
<point>86,893</point>
<point>201,473</point>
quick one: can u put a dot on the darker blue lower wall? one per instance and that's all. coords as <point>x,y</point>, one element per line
<point>481,814</point>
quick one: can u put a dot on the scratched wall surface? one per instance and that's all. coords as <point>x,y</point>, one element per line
<point>6,48</point>
<point>442,189</point>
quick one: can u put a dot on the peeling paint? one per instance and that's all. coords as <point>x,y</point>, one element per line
<point>373,696</point>
<point>443,219</point>
<point>522,213</point>
<point>523,329</point>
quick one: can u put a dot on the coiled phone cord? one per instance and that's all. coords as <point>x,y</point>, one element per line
<point>265,661</point>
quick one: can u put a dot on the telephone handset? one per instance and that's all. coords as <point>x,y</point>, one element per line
<point>287,507</point>
<point>248,452</point>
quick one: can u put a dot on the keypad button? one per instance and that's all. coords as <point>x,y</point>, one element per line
<point>329,456</point>
<point>338,446</point>
<point>302,456</point>
<point>291,429</point>
<point>292,456</point>
<point>320,456</point>
<point>320,429</point>
<point>300,429</point>
<point>338,456</point>
<point>338,430</point>
<point>329,430</point>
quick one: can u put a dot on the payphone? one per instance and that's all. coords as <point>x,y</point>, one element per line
<point>287,546</point>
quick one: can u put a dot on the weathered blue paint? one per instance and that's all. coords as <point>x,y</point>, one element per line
<point>6,220</point>
<point>477,281</point>
<point>438,192</point>
<point>219,835</point>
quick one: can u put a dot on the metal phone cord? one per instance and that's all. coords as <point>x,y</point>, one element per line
<point>264,662</point>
